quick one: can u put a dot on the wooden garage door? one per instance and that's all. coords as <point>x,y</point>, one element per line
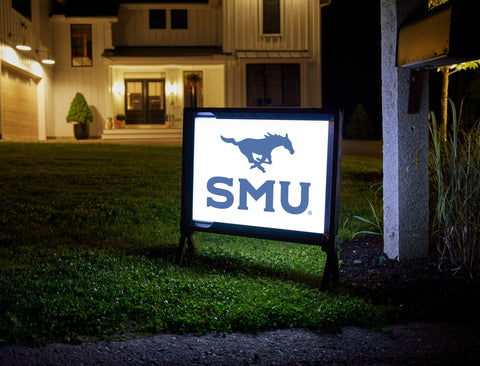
<point>19,105</point>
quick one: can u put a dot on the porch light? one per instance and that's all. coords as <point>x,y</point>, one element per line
<point>172,88</point>
<point>118,88</point>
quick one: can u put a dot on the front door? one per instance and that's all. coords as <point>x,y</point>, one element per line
<point>145,101</point>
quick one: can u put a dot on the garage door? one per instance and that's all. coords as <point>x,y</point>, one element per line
<point>19,105</point>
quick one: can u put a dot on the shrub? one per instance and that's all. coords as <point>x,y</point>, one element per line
<point>455,181</point>
<point>359,126</point>
<point>79,110</point>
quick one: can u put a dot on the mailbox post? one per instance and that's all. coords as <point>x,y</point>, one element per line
<point>405,190</point>
<point>411,44</point>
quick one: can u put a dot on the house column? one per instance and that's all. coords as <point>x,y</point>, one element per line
<point>405,183</point>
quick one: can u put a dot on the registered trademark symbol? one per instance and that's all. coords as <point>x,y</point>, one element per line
<point>309,213</point>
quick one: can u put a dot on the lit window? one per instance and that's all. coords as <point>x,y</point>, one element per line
<point>81,45</point>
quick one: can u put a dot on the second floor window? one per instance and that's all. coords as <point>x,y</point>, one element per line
<point>81,45</point>
<point>179,18</point>
<point>271,16</point>
<point>158,19</point>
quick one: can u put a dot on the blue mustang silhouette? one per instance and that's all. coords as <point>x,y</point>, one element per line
<point>262,147</point>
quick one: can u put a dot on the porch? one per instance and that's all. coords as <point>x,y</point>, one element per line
<point>143,133</point>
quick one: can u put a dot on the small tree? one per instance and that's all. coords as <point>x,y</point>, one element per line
<point>79,110</point>
<point>359,125</point>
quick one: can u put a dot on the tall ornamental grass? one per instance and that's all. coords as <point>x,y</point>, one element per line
<point>455,183</point>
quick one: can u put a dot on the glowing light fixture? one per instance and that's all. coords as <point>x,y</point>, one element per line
<point>45,60</point>
<point>118,88</point>
<point>172,88</point>
<point>23,46</point>
<point>48,61</point>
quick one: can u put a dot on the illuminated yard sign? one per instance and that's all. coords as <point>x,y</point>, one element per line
<point>265,173</point>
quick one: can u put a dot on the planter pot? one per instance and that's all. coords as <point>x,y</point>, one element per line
<point>81,131</point>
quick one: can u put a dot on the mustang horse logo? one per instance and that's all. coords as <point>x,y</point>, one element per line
<point>261,147</point>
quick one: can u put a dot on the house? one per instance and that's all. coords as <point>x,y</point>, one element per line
<point>147,60</point>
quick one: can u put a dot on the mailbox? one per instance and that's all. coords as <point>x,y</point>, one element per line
<point>445,36</point>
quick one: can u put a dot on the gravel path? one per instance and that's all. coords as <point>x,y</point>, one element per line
<point>406,344</point>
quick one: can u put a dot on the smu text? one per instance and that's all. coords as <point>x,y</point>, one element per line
<point>218,186</point>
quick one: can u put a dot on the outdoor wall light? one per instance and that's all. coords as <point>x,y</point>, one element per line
<point>172,88</point>
<point>46,60</point>
<point>20,45</point>
<point>23,46</point>
<point>118,88</point>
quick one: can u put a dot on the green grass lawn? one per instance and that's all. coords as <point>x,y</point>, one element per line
<point>88,234</point>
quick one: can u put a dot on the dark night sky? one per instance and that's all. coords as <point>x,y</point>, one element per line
<point>351,57</point>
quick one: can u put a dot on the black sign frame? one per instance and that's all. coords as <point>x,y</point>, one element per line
<point>328,241</point>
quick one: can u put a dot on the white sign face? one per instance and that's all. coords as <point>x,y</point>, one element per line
<point>264,173</point>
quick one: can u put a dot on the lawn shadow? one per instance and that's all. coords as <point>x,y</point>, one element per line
<point>247,266</point>
<point>205,261</point>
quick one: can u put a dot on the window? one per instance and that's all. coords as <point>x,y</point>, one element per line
<point>24,7</point>
<point>145,101</point>
<point>271,16</point>
<point>158,19</point>
<point>273,85</point>
<point>81,44</point>
<point>179,19</point>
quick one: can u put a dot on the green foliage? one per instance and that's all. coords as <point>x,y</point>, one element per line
<point>79,110</point>
<point>455,181</point>
<point>434,3</point>
<point>359,125</point>
<point>361,182</point>
<point>375,222</point>
<point>88,241</point>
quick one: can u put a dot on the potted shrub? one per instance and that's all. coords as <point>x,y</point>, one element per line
<point>81,115</point>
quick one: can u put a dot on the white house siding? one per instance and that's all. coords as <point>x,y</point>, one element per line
<point>299,42</point>
<point>242,26</point>
<point>36,33</point>
<point>133,27</point>
<point>214,87</point>
<point>91,81</point>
